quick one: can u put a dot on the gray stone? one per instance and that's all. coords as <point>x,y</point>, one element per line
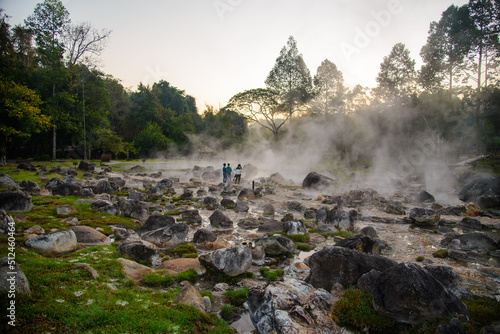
<point>16,201</point>
<point>232,261</point>
<point>88,236</point>
<point>54,244</point>
<point>276,246</point>
<point>9,283</point>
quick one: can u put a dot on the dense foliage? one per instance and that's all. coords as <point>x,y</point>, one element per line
<point>55,101</point>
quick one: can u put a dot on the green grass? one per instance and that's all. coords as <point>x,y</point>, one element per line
<point>236,297</point>
<point>271,275</point>
<point>442,253</point>
<point>354,310</point>
<point>482,312</point>
<point>65,299</point>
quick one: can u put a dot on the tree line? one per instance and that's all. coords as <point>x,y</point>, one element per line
<point>54,98</point>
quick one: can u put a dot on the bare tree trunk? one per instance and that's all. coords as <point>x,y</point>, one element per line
<point>54,125</point>
<point>478,100</point>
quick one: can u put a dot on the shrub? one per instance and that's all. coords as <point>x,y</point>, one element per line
<point>269,275</point>
<point>442,253</point>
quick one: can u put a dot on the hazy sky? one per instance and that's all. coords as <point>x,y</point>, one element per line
<point>214,49</point>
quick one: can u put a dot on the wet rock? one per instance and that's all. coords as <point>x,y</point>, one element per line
<point>210,203</point>
<point>276,246</point>
<point>88,236</point>
<point>361,197</point>
<point>484,191</point>
<point>192,216</point>
<point>424,217</point>
<point>395,208</point>
<point>291,306</point>
<point>133,208</point>
<point>451,280</point>
<point>270,226</point>
<point>53,244</point>
<point>471,223</point>
<point>18,280</point>
<point>362,243</point>
<point>370,231</point>
<point>424,196</point>
<point>232,261</point>
<point>155,222</point>
<point>474,241</point>
<point>317,181</point>
<point>16,201</point>
<point>104,206</point>
<point>133,270</point>
<point>268,209</point>
<point>228,203</point>
<point>248,223</point>
<point>167,237</point>
<point>410,294</point>
<point>241,207</point>
<point>203,235</point>
<point>294,227</point>
<point>342,265</point>
<point>219,220</point>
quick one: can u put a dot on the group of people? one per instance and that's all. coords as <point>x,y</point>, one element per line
<point>227,172</point>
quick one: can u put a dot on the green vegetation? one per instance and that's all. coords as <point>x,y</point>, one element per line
<point>184,250</point>
<point>482,312</point>
<point>236,297</point>
<point>271,275</point>
<point>354,309</point>
<point>442,253</point>
<point>420,258</point>
<point>66,299</point>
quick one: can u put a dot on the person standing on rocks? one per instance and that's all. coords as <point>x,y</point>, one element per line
<point>224,173</point>
<point>228,172</point>
<point>237,174</point>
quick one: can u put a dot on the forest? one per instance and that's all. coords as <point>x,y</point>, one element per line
<point>56,103</point>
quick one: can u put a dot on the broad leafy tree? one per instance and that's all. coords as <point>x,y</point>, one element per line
<point>261,106</point>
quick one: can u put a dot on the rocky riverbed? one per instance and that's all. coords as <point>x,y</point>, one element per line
<point>247,226</point>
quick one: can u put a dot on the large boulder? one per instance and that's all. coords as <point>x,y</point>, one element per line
<point>341,265</point>
<point>276,246</point>
<point>86,166</point>
<point>363,243</point>
<point>155,222</point>
<point>133,208</point>
<point>482,190</point>
<point>192,297</point>
<point>66,189</point>
<point>167,237</point>
<point>30,187</point>
<point>219,220</point>
<point>87,236</point>
<point>232,261</point>
<point>291,306</point>
<point>136,249</point>
<point>192,216</point>
<point>410,294</point>
<point>248,223</point>
<point>424,217</point>
<point>451,280</point>
<point>203,235</point>
<point>474,241</point>
<point>54,244</point>
<point>294,227</point>
<point>105,206</point>
<point>133,270</point>
<point>6,181</point>
<point>270,226</point>
<point>314,180</point>
<point>211,203</point>
<point>12,283</point>
<point>106,186</point>
<point>16,201</point>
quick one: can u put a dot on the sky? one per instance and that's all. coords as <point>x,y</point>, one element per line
<point>214,49</point>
